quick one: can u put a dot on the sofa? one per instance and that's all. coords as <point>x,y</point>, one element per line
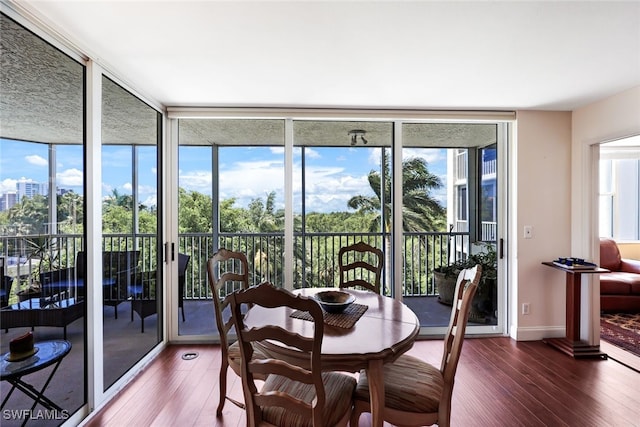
<point>619,289</point>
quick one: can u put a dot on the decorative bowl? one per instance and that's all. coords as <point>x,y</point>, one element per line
<point>334,301</point>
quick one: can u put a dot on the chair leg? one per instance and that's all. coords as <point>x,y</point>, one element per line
<point>358,408</point>
<point>223,384</point>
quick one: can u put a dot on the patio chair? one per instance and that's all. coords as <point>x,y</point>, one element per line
<point>360,266</point>
<point>227,271</point>
<point>143,290</point>
<point>117,270</point>
<point>292,395</point>
<point>5,290</point>
<point>417,393</point>
<point>183,261</point>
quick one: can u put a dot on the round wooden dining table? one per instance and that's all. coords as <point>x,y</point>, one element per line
<point>385,330</point>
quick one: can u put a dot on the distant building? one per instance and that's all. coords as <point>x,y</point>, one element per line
<point>7,200</point>
<point>29,189</point>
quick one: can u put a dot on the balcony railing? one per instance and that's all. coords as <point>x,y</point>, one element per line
<point>315,256</point>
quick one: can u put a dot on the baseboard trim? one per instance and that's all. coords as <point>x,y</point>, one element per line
<point>537,333</point>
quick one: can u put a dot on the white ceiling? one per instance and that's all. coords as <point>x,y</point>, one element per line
<point>361,54</point>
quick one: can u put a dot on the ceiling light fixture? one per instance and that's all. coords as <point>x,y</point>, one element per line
<point>355,133</point>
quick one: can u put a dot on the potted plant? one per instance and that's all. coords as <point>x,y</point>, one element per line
<point>484,302</point>
<point>43,251</point>
<point>445,278</point>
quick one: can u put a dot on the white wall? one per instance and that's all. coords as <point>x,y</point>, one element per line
<point>611,118</point>
<point>554,190</point>
<point>542,187</point>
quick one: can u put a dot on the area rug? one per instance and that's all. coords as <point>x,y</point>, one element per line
<point>621,330</point>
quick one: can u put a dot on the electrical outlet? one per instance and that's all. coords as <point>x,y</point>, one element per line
<point>528,232</point>
<point>526,307</point>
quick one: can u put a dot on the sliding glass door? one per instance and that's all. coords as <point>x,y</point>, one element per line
<point>230,195</point>
<point>131,248</point>
<point>343,182</point>
<point>342,195</point>
<point>42,219</point>
<point>452,202</point>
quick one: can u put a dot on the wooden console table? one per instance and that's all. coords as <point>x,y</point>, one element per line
<point>571,343</point>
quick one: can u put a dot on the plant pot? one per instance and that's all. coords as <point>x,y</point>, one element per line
<point>446,286</point>
<point>27,294</point>
<point>484,304</point>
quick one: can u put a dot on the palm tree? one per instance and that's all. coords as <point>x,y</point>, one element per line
<point>420,210</point>
<point>266,219</point>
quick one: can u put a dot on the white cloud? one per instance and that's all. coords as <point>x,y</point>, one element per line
<point>250,180</point>
<point>70,178</point>
<point>329,186</point>
<point>152,200</point>
<point>36,160</point>
<point>430,155</point>
<point>146,189</point>
<point>199,181</point>
<point>8,185</point>
<point>312,154</point>
<point>107,189</point>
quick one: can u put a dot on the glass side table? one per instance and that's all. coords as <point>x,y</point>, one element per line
<point>49,353</point>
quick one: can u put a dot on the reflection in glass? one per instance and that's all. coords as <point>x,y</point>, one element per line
<point>42,209</point>
<point>131,282</point>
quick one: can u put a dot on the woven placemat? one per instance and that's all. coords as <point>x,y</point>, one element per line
<point>346,319</point>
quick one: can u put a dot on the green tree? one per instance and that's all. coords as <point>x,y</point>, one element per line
<point>420,210</point>
<point>194,212</point>
<point>29,216</point>
<point>264,216</point>
<point>70,213</point>
<point>232,218</point>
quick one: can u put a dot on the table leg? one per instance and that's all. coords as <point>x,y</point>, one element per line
<point>572,315</point>
<point>571,343</point>
<point>375,376</point>
<point>40,397</point>
<point>33,393</point>
<point>4,402</point>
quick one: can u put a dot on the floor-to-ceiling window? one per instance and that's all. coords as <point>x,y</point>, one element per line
<point>343,188</point>
<point>231,195</point>
<point>42,216</point>
<point>450,216</point>
<point>131,251</point>
<point>342,195</point>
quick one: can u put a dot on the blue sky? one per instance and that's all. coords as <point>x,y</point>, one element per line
<point>333,175</point>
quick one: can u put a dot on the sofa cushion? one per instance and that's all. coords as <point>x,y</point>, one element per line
<point>620,283</point>
<point>609,255</point>
<point>614,284</point>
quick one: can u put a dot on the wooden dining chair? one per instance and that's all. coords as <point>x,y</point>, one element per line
<point>360,266</point>
<point>227,272</point>
<point>293,395</point>
<point>416,392</point>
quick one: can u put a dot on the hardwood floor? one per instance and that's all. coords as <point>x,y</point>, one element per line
<point>500,382</point>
